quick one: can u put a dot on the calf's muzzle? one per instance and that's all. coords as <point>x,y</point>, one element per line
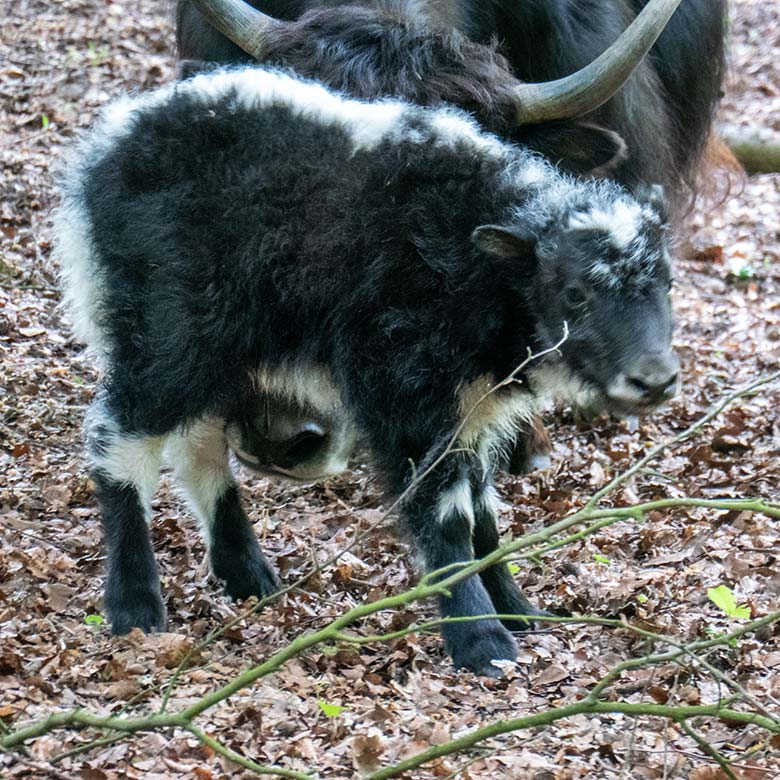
<point>647,382</point>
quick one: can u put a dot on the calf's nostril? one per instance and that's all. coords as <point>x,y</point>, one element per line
<point>654,388</point>
<point>639,385</point>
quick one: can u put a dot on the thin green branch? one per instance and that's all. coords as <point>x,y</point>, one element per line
<point>709,750</point>
<point>584,707</point>
<point>671,655</point>
<point>237,758</point>
<point>78,719</point>
<point>636,512</point>
<point>713,670</point>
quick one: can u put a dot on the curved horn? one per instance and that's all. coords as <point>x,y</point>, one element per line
<point>591,86</point>
<point>240,22</point>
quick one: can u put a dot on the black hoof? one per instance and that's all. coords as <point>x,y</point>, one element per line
<point>478,646</point>
<point>144,610</point>
<point>245,575</point>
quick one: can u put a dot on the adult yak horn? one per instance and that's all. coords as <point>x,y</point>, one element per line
<point>591,86</point>
<point>240,22</point>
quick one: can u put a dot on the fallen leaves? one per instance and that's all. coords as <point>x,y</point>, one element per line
<point>65,60</point>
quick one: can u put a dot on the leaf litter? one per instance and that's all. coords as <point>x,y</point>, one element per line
<point>347,711</point>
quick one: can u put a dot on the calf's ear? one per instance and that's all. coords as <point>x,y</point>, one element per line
<point>504,241</point>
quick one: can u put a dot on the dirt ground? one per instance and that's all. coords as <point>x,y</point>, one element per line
<point>61,61</point>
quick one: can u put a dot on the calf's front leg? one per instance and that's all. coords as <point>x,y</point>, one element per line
<point>506,595</point>
<point>441,514</point>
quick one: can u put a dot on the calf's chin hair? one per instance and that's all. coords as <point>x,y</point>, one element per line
<point>246,223</point>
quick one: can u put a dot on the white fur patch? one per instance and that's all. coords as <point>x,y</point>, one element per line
<point>622,220</point>
<point>80,276</point>
<point>311,385</point>
<point>255,89</point>
<point>199,457</point>
<point>128,459</point>
<point>368,122</point>
<point>457,500</point>
<point>135,460</point>
<point>483,411</point>
<point>554,382</point>
<point>453,127</point>
<point>620,389</point>
<point>489,501</point>
<point>532,171</point>
<point>491,419</point>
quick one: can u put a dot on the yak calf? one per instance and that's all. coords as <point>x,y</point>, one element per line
<point>248,231</point>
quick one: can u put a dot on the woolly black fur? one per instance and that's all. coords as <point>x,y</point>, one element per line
<point>400,248</point>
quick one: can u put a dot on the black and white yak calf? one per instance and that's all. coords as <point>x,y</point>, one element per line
<point>246,231</point>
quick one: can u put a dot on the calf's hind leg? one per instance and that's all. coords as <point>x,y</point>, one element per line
<point>200,459</point>
<point>125,468</point>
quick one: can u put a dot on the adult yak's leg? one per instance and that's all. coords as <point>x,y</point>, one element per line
<point>504,592</point>
<point>532,448</point>
<point>125,468</point>
<point>200,459</point>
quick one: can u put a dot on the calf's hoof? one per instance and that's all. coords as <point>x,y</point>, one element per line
<point>136,609</point>
<point>245,575</point>
<point>477,647</point>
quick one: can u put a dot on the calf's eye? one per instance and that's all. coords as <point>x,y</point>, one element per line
<point>575,296</point>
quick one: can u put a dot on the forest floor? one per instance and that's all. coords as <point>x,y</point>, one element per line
<point>61,61</point>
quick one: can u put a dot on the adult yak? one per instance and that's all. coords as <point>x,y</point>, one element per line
<point>379,48</point>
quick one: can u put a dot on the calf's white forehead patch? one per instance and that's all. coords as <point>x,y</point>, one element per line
<point>621,220</point>
<point>624,224</point>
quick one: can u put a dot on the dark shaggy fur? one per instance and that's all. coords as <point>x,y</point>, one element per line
<point>383,258</point>
<point>413,50</point>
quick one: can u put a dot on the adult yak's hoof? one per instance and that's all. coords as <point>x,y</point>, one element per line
<point>142,609</point>
<point>474,646</point>
<point>524,625</point>
<point>245,574</point>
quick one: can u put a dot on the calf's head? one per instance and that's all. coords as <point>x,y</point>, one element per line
<point>601,266</point>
